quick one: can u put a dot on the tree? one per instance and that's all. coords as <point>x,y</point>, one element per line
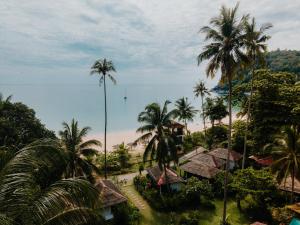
<point>201,90</point>
<point>215,109</point>
<point>185,111</point>
<point>78,150</point>
<point>255,42</point>
<point>286,153</point>
<point>103,67</point>
<point>32,192</point>
<point>122,152</point>
<point>157,133</point>
<point>257,185</point>
<point>225,53</point>
<point>19,125</point>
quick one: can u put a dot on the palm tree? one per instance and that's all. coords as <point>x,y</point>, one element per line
<point>255,42</point>
<point>32,192</point>
<point>201,90</point>
<point>286,153</point>
<point>185,111</point>
<point>225,53</point>
<point>72,139</point>
<point>103,67</point>
<point>156,131</point>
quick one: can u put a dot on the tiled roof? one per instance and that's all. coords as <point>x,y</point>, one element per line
<point>264,161</point>
<point>109,193</point>
<point>200,169</point>
<point>159,176</point>
<point>191,154</point>
<point>222,154</point>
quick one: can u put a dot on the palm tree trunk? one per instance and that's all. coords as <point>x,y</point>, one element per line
<point>247,121</point>
<point>105,127</point>
<point>229,149</point>
<point>203,115</point>
<point>293,185</point>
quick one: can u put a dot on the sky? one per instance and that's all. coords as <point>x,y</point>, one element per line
<point>149,41</point>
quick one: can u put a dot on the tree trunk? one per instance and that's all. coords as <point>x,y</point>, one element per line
<point>247,121</point>
<point>203,117</point>
<point>293,185</point>
<point>229,149</point>
<point>105,127</point>
<point>166,176</point>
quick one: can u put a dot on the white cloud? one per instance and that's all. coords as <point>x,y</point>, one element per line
<point>151,37</point>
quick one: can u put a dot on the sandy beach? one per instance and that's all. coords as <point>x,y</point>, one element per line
<point>129,136</point>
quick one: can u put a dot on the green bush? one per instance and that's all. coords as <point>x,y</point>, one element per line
<point>126,214</point>
<point>218,184</point>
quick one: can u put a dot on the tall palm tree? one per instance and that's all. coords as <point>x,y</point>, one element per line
<point>255,42</point>
<point>225,53</point>
<point>32,191</point>
<point>185,111</point>
<point>286,153</point>
<point>103,68</point>
<point>72,139</point>
<point>156,131</point>
<point>201,90</point>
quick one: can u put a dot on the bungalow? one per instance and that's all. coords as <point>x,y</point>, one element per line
<point>286,185</point>
<point>221,153</point>
<point>200,170</point>
<point>110,196</point>
<point>177,130</point>
<point>192,154</point>
<point>159,177</point>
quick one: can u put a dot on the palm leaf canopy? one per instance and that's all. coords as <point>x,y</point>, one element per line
<point>184,110</point>
<point>200,89</point>
<point>103,67</point>
<point>31,191</point>
<point>225,51</point>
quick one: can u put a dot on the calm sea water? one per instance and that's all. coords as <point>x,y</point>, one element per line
<point>57,103</point>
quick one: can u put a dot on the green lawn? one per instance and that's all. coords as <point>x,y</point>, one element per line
<point>207,217</point>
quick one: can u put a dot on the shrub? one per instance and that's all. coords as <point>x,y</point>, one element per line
<point>126,214</point>
<point>218,184</point>
<point>281,215</point>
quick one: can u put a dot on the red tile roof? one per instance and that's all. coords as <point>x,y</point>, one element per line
<point>264,161</point>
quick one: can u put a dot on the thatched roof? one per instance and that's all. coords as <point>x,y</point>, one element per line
<point>192,154</point>
<point>199,169</point>
<point>208,160</point>
<point>110,194</point>
<point>286,185</point>
<point>222,154</point>
<point>159,176</point>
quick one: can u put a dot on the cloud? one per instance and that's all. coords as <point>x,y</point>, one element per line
<point>157,37</point>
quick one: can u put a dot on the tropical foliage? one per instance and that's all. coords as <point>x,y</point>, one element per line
<point>32,192</point>
<point>156,132</point>
<point>184,111</point>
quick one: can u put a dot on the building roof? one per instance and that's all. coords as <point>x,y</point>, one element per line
<point>286,185</point>
<point>208,160</point>
<point>222,154</point>
<point>199,169</point>
<point>295,207</point>
<point>175,124</point>
<point>264,161</point>
<point>159,176</point>
<point>110,195</point>
<point>191,154</point>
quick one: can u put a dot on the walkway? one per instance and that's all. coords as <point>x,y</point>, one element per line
<point>149,216</point>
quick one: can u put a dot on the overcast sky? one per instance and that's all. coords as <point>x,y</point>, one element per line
<point>148,40</point>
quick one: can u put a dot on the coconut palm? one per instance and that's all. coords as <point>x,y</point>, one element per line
<point>201,90</point>
<point>286,154</point>
<point>185,112</point>
<point>32,192</point>
<point>225,53</point>
<point>255,42</point>
<point>157,133</point>
<point>78,150</point>
<point>103,68</point>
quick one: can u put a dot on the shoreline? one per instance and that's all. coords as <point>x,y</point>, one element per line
<point>129,136</point>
